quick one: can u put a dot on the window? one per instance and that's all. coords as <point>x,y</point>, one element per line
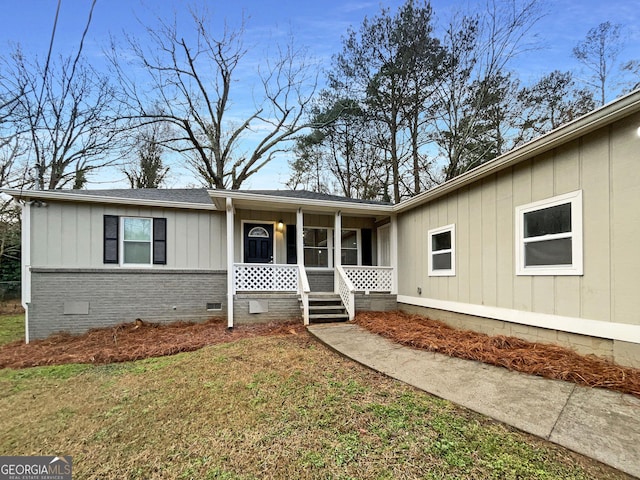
<point>441,247</point>
<point>549,236</point>
<point>135,240</point>
<point>316,247</point>
<point>349,254</point>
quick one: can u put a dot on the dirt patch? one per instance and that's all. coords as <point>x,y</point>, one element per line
<point>545,360</point>
<point>11,307</point>
<point>127,342</point>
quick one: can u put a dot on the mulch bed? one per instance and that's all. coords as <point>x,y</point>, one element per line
<point>130,341</point>
<point>545,360</point>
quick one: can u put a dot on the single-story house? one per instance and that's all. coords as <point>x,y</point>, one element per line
<point>540,243</point>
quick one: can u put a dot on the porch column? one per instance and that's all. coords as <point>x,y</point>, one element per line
<point>393,253</point>
<point>337,248</point>
<point>300,238</point>
<point>230,257</point>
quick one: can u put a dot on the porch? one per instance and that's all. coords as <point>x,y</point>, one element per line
<point>316,259</point>
<point>260,289</point>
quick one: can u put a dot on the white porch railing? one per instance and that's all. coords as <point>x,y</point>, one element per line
<point>265,277</point>
<point>346,291</point>
<point>370,279</point>
<point>304,293</point>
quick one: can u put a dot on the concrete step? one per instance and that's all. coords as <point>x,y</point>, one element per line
<point>328,317</point>
<point>337,306</point>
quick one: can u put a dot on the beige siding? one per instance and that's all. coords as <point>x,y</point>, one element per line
<point>71,236</point>
<point>605,165</point>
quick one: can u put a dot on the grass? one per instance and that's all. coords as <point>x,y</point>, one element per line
<point>270,407</point>
<point>11,328</point>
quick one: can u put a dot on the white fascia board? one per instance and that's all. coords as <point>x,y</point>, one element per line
<point>265,201</point>
<point>87,198</point>
<point>599,118</point>
<point>582,326</point>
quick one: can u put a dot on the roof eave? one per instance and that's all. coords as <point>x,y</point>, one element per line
<point>87,198</point>
<point>289,203</point>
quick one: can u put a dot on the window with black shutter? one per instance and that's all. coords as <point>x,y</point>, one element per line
<point>111,240</point>
<point>160,241</point>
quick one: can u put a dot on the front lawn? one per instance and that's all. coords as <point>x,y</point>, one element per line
<point>264,407</point>
<point>11,328</point>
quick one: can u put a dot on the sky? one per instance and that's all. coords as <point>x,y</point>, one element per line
<point>318,25</point>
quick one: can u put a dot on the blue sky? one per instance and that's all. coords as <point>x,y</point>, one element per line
<point>319,25</point>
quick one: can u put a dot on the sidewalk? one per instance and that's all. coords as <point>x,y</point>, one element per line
<point>598,423</point>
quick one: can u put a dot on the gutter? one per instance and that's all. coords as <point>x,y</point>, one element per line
<point>60,195</point>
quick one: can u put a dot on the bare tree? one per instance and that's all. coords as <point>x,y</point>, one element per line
<point>192,85</point>
<point>480,48</point>
<point>599,52</point>
<point>65,117</point>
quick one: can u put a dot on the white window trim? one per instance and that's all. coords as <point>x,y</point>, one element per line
<point>122,242</point>
<point>576,268</point>
<point>358,248</point>
<point>330,248</point>
<point>450,272</point>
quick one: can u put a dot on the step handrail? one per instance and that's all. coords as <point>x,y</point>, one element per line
<point>346,291</point>
<point>304,291</point>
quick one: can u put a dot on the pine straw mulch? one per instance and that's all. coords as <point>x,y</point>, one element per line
<point>545,360</point>
<point>132,341</point>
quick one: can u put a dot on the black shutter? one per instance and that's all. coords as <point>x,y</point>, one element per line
<point>111,229</point>
<point>160,241</point>
<point>367,254</point>
<point>291,244</point>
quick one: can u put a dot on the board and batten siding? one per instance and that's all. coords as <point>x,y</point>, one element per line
<point>70,235</point>
<point>605,166</point>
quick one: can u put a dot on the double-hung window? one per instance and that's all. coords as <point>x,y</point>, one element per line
<point>549,236</point>
<point>442,249</point>
<point>137,244</point>
<point>135,241</point>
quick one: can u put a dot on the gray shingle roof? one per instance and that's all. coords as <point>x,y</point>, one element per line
<point>184,195</point>
<point>314,196</point>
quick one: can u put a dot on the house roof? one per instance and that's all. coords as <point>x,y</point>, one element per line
<point>197,199</point>
<point>291,200</point>
<point>306,194</point>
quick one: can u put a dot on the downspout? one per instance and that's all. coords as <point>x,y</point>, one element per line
<point>26,264</point>
<point>230,256</point>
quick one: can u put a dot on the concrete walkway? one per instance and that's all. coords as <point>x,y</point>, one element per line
<point>598,423</point>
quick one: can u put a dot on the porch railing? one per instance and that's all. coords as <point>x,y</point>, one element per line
<point>346,291</point>
<point>370,279</point>
<point>304,293</point>
<point>265,277</point>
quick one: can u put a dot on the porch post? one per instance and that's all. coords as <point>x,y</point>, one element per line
<point>230,255</point>
<point>300,238</point>
<point>337,248</point>
<point>393,253</point>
